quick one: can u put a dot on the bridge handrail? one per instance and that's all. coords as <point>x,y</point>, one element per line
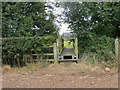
<point>59,45</point>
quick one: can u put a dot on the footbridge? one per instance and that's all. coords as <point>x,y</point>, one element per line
<point>64,49</point>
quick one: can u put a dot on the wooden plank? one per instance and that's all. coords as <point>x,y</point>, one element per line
<point>25,37</point>
<point>41,60</point>
<point>36,60</point>
<point>45,54</point>
<point>69,60</point>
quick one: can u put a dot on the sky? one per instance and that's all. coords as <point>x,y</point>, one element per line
<point>63,26</point>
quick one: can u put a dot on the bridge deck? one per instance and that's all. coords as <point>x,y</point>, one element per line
<point>67,51</point>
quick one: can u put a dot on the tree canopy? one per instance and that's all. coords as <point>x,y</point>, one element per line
<point>100,18</point>
<point>27,19</point>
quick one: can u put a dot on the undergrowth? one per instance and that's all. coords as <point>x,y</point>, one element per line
<point>32,67</point>
<point>99,49</point>
<point>16,51</point>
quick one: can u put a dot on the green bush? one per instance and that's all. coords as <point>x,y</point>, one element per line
<point>102,47</point>
<point>16,51</point>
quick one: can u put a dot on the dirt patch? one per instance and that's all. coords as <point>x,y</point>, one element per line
<point>63,75</point>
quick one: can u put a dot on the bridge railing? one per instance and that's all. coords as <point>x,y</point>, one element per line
<point>56,46</point>
<point>75,46</point>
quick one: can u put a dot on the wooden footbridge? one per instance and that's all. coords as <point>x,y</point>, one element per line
<point>60,51</point>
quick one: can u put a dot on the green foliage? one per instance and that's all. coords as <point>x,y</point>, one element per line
<point>95,25</point>
<point>99,18</point>
<point>101,47</point>
<point>27,19</point>
<point>27,26</point>
<point>16,51</point>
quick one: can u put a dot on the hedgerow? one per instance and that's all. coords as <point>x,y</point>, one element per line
<point>16,51</point>
<point>102,47</point>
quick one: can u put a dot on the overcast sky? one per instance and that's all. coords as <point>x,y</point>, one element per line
<point>63,26</point>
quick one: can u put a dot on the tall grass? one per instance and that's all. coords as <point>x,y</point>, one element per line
<point>32,67</point>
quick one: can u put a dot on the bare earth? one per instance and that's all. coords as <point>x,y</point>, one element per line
<point>62,76</point>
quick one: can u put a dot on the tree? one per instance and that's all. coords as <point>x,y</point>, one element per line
<point>95,25</point>
<point>99,18</point>
<point>26,19</point>
<point>27,27</point>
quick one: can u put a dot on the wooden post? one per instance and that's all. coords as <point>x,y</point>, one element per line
<point>55,50</point>
<point>58,45</point>
<point>117,49</point>
<point>76,47</point>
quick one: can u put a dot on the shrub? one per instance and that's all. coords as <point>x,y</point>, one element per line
<point>16,51</point>
<point>102,47</point>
